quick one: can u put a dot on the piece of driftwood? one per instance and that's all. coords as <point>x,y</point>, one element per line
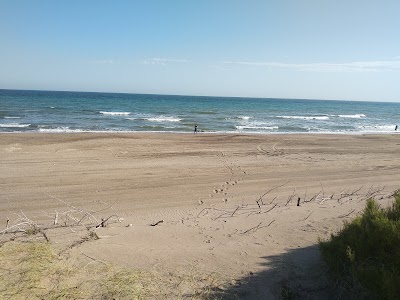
<point>270,190</point>
<point>157,223</point>
<point>308,215</point>
<point>348,214</point>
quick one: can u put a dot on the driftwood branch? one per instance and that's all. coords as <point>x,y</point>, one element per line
<point>253,228</point>
<point>157,223</point>
<point>348,214</point>
<point>308,215</point>
<point>290,197</point>
<point>270,190</point>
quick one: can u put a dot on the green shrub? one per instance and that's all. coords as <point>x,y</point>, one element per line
<point>365,254</point>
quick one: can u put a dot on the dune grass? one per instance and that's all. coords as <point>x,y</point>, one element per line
<point>34,270</point>
<point>365,254</point>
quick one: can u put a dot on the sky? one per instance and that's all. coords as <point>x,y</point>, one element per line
<point>308,49</point>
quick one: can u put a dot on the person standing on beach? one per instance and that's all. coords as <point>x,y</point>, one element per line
<point>195,128</point>
<point>395,129</point>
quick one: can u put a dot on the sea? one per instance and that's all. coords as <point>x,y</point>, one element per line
<point>74,112</point>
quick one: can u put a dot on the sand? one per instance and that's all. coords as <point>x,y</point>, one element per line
<point>228,203</point>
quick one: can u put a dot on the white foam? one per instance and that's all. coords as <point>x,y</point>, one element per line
<point>305,117</point>
<point>115,113</point>
<point>377,128</point>
<point>244,117</point>
<point>61,129</point>
<point>14,125</point>
<point>12,117</point>
<point>243,127</point>
<point>356,116</point>
<point>163,119</point>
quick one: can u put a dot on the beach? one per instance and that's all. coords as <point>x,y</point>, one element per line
<point>222,204</point>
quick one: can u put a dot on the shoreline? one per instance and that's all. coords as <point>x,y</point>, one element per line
<point>203,133</point>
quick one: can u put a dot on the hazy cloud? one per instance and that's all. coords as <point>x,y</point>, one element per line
<point>358,66</point>
<point>162,61</point>
<point>102,62</point>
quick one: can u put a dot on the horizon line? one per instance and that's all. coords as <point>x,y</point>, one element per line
<point>210,96</point>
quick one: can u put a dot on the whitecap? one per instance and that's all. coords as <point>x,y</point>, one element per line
<point>377,128</point>
<point>61,129</point>
<point>305,117</point>
<point>14,125</point>
<point>163,119</point>
<point>242,127</point>
<point>115,113</point>
<point>356,116</point>
<point>12,117</point>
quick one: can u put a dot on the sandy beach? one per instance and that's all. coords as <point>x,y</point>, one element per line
<point>228,203</point>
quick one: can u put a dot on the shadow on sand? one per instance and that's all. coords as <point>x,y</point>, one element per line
<point>297,274</point>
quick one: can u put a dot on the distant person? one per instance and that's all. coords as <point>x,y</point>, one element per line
<point>195,128</point>
<point>395,128</point>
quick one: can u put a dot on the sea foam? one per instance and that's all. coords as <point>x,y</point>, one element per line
<point>115,113</point>
<point>14,125</point>
<point>356,116</point>
<point>163,119</point>
<point>243,127</point>
<point>305,117</point>
<point>377,128</point>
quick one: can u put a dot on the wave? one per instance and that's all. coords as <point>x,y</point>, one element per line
<point>6,117</point>
<point>115,113</point>
<point>305,117</point>
<point>66,129</point>
<point>244,118</point>
<point>377,128</point>
<point>356,116</point>
<point>205,112</point>
<point>243,127</point>
<point>14,125</point>
<point>163,119</point>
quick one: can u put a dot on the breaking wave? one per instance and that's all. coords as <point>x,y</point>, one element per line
<point>305,117</point>
<point>115,113</point>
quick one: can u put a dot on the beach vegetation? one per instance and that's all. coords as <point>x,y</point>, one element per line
<point>36,270</point>
<point>365,255</point>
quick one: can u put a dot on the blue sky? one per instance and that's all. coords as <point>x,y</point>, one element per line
<point>317,49</point>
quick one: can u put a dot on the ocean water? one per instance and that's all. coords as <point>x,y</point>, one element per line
<point>44,111</point>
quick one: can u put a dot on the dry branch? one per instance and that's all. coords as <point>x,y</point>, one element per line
<point>70,217</point>
<point>235,211</point>
<point>270,190</point>
<point>252,228</point>
<point>290,197</point>
<point>308,215</point>
<point>348,214</point>
<point>104,221</point>
<point>255,228</point>
<point>312,198</point>
<point>157,223</point>
<point>348,194</point>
